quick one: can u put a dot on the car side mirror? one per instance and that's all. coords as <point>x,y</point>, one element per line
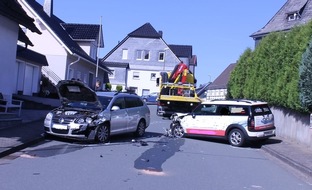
<point>193,115</point>
<point>114,108</point>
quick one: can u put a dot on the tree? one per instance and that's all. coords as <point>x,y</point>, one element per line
<point>305,78</point>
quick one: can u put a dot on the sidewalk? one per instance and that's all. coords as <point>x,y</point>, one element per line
<point>31,131</point>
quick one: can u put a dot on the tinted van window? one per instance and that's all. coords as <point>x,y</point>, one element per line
<point>260,110</point>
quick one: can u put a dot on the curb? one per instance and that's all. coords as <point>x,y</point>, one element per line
<point>288,161</point>
<point>21,146</point>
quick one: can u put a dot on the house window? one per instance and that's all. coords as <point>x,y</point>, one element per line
<point>153,76</point>
<point>112,75</point>
<point>293,16</point>
<point>143,54</point>
<point>139,54</point>
<point>124,54</point>
<point>136,75</point>
<point>161,56</point>
<point>146,55</point>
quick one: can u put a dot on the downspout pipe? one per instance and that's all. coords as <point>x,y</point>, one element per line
<point>78,59</point>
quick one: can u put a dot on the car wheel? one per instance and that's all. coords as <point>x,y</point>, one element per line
<point>236,138</point>
<point>102,133</point>
<point>140,131</point>
<point>178,131</point>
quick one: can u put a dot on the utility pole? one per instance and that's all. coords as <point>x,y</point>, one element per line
<point>97,54</point>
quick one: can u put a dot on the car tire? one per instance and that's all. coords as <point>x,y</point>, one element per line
<point>140,131</point>
<point>178,131</point>
<point>102,133</point>
<point>236,137</point>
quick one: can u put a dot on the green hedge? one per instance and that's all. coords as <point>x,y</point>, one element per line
<point>271,71</point>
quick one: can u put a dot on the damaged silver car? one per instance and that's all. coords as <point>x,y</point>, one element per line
<point>83,116</point>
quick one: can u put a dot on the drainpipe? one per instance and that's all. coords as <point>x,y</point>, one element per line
<point>71,65</point>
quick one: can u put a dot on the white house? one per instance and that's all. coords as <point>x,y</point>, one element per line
<point>70,49</point>
<point>136,62</point>
<point>18,72</point>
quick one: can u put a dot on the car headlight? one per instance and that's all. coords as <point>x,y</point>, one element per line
<point>80,120</point>
<point>88,120</point>
<point>48,119</point>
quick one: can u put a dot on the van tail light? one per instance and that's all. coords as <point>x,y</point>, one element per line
<point>159,103</point>
<point>251,126</point>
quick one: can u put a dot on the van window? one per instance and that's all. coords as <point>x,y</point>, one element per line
<point>261,109</point>
<point>204,109</point>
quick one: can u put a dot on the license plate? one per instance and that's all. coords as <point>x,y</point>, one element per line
<point>57,126</point>
<point>267,133</point>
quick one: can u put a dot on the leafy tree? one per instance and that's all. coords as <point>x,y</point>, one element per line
<point>305,75</point>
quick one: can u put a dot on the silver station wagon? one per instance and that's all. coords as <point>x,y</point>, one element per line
<point>85,114</point>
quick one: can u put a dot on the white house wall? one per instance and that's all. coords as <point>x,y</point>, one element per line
<point>8,39</point>
<point>144,82</point>
<point>29,76</point>
<point>145,67</point>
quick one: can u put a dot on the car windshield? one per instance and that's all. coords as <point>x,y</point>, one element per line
<point>83,105</point>
<point>105,100</point>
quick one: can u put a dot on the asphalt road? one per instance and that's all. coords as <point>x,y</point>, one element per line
<point>153,162</point>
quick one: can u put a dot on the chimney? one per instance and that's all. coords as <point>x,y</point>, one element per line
<point>160,33</point>
<point>48,7</point>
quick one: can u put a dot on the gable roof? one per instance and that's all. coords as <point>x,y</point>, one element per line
<point>14,11</point>
<point>181,50</point>
<point>222,80</point>
<point>83,32</point>
<point>145,31</point>
<point>55,24</point>
<point>280,22</point>
<point>31,56</point>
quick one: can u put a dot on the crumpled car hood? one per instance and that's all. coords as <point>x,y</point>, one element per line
<point>76,91</point>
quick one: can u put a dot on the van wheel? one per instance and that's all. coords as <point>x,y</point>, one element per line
<point>140,131</point>
<point>236,138</point>
<point>178,131</point>
<point>102,133</point>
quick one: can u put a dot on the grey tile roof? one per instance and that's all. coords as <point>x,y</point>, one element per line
<point>117,64</point>
<point>23,38</point>
<point>55,24</point>
<point>280,22</point>
<point>14,11</point>
<point>181,50</point>
<point>222,80</point>
<point>84,32</point>
<point>31,56</point>
<point>145,31</point>
<point>148,31</point>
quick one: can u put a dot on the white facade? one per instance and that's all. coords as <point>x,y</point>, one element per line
<point>8,39</point>
<point>142,73</point>
<point>63,63</point>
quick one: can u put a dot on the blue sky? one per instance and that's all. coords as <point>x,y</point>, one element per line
<point>218,30</point>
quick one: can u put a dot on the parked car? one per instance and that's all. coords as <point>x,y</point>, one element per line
<point>238,121</point>
<point>85,114</point>
<point>150,98</point>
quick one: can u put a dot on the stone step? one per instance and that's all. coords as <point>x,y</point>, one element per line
<point>9,120</point>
